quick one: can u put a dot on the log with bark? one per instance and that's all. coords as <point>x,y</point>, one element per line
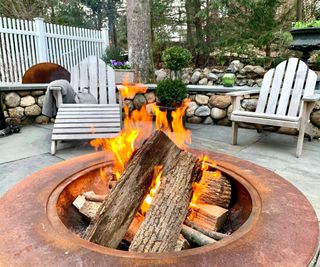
<point>161,227</point>
<point>121,205</point>
<point>211,234</point>
<point>196,237</point>
<point>216,189</point>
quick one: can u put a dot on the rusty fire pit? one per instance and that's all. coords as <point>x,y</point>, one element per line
<point>278,225</point>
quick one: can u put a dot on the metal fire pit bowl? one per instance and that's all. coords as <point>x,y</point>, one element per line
<point>280,229</point>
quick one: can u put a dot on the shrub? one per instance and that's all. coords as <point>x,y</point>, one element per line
<point>113,53</point>
<point>176,58</point>
<point>170,92</point>
<point>311,24</point>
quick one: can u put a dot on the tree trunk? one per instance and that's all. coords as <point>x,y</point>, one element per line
<point>190,42</point>
<point>161,227</point>
<point>139,38</point>
<point>299,10</point>
<point>120,207</point>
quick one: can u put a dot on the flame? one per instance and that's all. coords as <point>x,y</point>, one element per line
<point>154,188</point>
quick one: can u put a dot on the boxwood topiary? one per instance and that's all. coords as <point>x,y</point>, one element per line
<point>170,93</point>
<point>176,58</point>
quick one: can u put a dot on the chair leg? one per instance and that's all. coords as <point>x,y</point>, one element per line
<point>300,142</point>
<point>234,140</point>
<point>54,144</point>
<point>259,128</point>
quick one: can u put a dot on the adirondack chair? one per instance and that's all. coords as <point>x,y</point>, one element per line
<point>88,121</point>
<point>286,99</point>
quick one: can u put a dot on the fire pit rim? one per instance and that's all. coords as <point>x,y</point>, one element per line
<point>58,225</point>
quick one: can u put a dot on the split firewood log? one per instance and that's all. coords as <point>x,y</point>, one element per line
<point>211,234</point>
<point>161,227</point>
<point>216,189</point>
<point>196,237</point>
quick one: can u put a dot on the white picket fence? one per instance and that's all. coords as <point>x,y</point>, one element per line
<point>25,43</point>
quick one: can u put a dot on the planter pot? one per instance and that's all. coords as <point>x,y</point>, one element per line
<point>124,75</point>
<point>169,111</point>
<point>305,40</point>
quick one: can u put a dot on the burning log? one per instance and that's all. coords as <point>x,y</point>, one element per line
<point>196,237</point>
<point>211,234</point>
<point>217,189</point>
<point>134,227</point>
<point>120,207</point>
<point>161,227</point>
<point>209,217</point>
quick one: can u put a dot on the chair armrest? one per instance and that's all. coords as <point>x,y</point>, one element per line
<point>241,93</point>
<point>55,88</point>
<point>311,98</point>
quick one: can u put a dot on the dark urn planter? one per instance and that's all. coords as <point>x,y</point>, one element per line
<point>305,40</point>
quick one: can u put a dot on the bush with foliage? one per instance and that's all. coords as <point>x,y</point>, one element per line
<point>311,24</point>
<point>113,53</point>
<point>170,93</point>
<point>176,58</point>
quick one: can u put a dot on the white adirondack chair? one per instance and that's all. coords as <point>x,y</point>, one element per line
<point>88,121</point>
<point>286,99</point>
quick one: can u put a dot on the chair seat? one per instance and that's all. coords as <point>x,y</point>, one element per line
<point>86,121</point>
<point>265,116</point>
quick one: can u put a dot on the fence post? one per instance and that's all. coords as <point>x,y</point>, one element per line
<point>42,54</point>
<point>105,38</point>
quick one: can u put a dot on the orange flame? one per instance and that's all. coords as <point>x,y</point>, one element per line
<point>154,188</point>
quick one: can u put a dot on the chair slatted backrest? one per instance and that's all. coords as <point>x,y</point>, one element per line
<point>91,74</point>
<point>283,87</point>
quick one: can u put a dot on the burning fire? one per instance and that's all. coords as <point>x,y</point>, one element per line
<point>137,128</point>
<point>154,188</point>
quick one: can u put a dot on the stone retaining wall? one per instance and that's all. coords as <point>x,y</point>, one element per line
<point>23,107</point>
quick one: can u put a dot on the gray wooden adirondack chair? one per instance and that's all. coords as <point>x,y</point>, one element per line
<point>88,121</point>
<point>286,99</point>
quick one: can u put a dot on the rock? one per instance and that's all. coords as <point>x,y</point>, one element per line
<point>202,99</point>
<point>290,131</point>
<point>317,105</point>
<point>259,82</point>
<point>129,104</point>
<point>242,83</point>
<point>224,122</point>
<point>24,93</point>
<point>236,66</point>
<point>27,101</point>
<point>12,100</point>
<point>33,110</point>
<point>247,69</point>
<point>151,97</point>
<point>40,100</point>
<point>249,104</point>
<point>315,131</point>
<point>191,109</point>
<point>206,71</point>
<point>202,111</point>
<point>220,101</point>
<point>27,120</point>
<point>5,113</point>
<point>208,121</point>
<point>260,71</point>
<point>42,119</point>
<point>217,71</point>
<point>17,112</point>
<point>195,119</point>
<point>210,83</point>
<point>139,100</point>
<point>218,114</point>
<point>251,82</point>
<point>160,75</point>
<point>188,71</point>
<point>203,81</point>
<point>52,120</point>
<point>212,77</point>
<point>186,78</point>
<point>37,93</point>
<point>10,121</point>
<point>150,109</point>
<point>240,77</point>
<point>315,118</point>
<point>195,77</point>
<point>192,97</point>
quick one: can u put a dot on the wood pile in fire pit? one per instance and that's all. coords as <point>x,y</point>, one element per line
<point>165,200</point>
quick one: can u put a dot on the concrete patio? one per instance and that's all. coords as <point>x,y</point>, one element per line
<point>27,152</point>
